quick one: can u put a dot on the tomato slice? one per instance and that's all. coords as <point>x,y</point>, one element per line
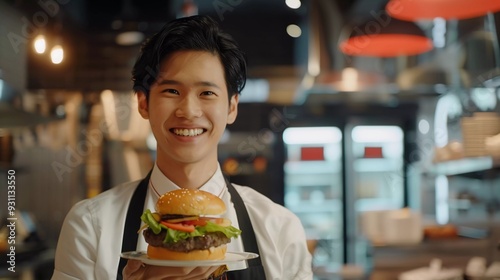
<point>180,226</point>
<point>200,222</point>
<point>174,221</point>
<point>189,224</point>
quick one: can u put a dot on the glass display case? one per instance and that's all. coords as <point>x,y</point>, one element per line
<point>377,167</point>
<point>375,178</point>
<point>313,187</point>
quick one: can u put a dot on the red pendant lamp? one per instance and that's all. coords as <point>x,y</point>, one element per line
<point>412,10</point>
<point>385,37</point>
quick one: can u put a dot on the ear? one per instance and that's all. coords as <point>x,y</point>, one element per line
<point>233,109</point>
<point>142,104</point>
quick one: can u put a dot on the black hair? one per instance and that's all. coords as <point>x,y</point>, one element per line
<point>198,33</point>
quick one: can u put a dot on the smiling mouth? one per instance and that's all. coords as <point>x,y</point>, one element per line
<point>191,132</point>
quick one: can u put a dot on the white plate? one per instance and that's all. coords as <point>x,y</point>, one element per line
<point>231,257</point>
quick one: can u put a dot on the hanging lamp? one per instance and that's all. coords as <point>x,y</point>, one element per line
<point>389,37</point>
<point>412,10</point>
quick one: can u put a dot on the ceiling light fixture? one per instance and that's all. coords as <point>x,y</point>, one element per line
<point>412,10</point>
<point>57,54</point>
<point>293,30</point>
<point>293,4</point>
<point>385,37</point>
<point>40,44</point>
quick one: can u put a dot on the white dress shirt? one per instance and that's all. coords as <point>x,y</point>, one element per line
<point>90,242</point>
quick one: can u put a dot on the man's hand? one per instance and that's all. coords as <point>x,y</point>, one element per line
<point>136,270</point>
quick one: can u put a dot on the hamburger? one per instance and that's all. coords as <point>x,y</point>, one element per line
<point>187,226</point>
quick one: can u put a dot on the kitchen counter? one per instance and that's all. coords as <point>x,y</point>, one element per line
<point>389,262</point>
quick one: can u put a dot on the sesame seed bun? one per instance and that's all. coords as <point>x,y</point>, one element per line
<point>190,203</point>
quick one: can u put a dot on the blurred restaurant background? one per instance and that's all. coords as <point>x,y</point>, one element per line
<point>376,121</point>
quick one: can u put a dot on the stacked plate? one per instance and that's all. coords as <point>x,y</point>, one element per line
<point>476,129</point>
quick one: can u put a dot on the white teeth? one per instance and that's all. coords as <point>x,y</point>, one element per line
<point>188,132</point>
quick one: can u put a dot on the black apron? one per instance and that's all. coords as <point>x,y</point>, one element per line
<point>255,271</point>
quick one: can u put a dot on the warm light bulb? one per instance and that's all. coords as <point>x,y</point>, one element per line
<point>293,4</point>
<point>293,30</point>
<point>57,54</point>
<point>40,44</point>
<point>349,79</point>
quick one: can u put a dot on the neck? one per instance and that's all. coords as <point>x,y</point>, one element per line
<point>189,176</point>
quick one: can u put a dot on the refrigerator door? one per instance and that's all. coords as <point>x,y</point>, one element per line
<point>375,182</point>
<point>377,167</point>
<point>313,187</point>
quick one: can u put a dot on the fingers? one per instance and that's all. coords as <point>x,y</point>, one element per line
<point>177,273</point>
<point>200,273</point>
<point>135,270</point>
<point>174,273</point>
<point>132,270</point>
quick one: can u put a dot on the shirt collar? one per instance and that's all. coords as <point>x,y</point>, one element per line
<point>160,184</point>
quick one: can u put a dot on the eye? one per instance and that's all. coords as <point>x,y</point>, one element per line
<point>170,90</point>
<point>208,93</point>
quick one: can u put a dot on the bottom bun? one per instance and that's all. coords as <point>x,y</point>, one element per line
<point>161,253</point>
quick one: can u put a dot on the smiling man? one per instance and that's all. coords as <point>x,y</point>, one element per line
<point>188,110</point>
<point>189,100</point>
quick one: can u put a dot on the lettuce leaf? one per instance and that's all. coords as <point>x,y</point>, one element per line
<point>173,236</point>
<point>230,231</point>
<point>148,219</point>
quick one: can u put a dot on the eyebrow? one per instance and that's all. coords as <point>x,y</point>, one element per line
<point>200,83</point>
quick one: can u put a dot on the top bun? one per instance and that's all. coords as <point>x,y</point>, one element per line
<point>190,203</point>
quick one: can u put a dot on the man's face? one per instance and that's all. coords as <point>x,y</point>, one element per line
<point>188,107</point>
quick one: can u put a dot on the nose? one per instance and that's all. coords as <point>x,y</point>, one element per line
<point>189,107</point>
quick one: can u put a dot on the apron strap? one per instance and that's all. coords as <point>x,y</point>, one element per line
<point>248,234</point>
<point>133,221</point>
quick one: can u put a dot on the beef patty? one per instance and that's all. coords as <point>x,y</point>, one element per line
<point>211,239</point>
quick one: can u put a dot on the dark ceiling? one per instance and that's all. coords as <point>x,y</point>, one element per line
<point>258,25</point>
<point>94,60</point>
